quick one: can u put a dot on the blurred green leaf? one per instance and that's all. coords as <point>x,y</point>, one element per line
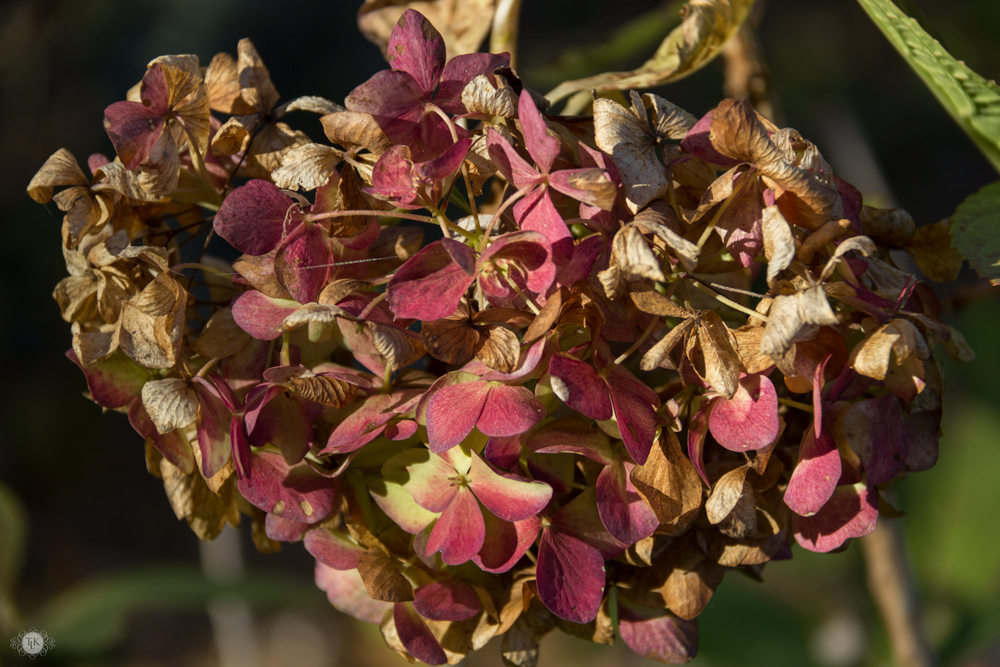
<point>706,28</point>
<point>976,229</point>
<point>92,616</point>
<point>13,532</point>
<point>971,100</point>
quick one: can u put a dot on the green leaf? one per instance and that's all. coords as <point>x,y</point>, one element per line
<point>976,229</point>
<point>971,100</point>
<point>92,616</point>
<point>706,28</point>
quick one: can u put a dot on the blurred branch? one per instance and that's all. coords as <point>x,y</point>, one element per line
<point>747,76</point>
<point>891,584</point>
<point>503,36</point>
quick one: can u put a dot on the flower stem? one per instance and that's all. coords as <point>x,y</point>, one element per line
<point>795,404</point>
<point>517,290</point>
<point>639,341</point>
<point>729,302</point>
<point>313,217</point>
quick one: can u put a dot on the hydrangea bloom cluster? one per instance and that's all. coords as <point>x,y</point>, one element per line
<point>654,349</point>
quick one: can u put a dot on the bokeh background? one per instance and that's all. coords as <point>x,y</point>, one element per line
<point>115,579</point>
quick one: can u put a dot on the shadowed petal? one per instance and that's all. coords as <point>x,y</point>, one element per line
<point>623,512</point>
<point>509,498</point>
<point>452,413</point>
<point>460,531</point>
<point>579,386</point>
<point>505,542</point>
<point>570,576</point>
<point>430,284</point>
<point>852,511</point>
<point>509,411</point>
<point>815,477</point>
<point>446,601</point>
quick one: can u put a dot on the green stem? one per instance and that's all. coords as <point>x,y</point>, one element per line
<point>639,341</point>
<point>795,404</point>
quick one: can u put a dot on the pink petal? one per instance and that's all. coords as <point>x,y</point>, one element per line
<point>571,436</point>
<point>333,548</point>
<point>113,382</point>
<point>414,633</point>
<point>254,217</point>
<point>444,165</point>
<point>875,427</point>
<point>452,413</point>
<point>303,262</point>
<point>284,530</point>
<point>657,634</point>
<point>852,511</point>
<point>505,543</point>
<point>284,422</point>
<point>295,493</point>
<point>510,163</point>
<point>416,47</point>
<point>542,147</point>
<point>392,176</point>
<point>503,452</point>
<point>530,249</point>
<point>261,316</point>
<point>535,212</point>
<point>460,531</point>
<point>457,74</point>
<point>637,422</point>
<point>430,481</point>
<point>401,430</point>
<point>509,410</point>
<point>133,129</point>
<point>815,477</point>
<point>346,592</point>
<point>570,576</point>
<point>626,516</point>
<point>430,284</point>
<point>361,426</point>
<point>579,386</point>
<point>749,420</point>
<point>509,498</point>
<point>581,519</point>
<point>446,601</point>
<point>213,432</point>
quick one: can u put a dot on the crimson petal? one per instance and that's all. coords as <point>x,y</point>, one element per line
<point>415,635</point>
<point>446,601</point>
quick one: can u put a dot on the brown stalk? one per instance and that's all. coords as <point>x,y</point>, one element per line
<point>894,591</point>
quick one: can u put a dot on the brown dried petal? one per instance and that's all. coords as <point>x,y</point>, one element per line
<point>871,356</point>
<point>206,512</point>
<point>463,25</point>
<point>889,226</point>
<point>670,485</point>
<point>779,243</point>
<point>830,231</point>
<point>307,167</point>
<point>659,353</point>
<point>222,82</point>
<point>718,348</point>
<point>353,129</point>
<point>170,403</point>
<point>669,121</point>
<point>884,279</point>
<point>93,345</point>
<point>311,103</point>
<point>748,346</point>
<point>268,149</point>
<point>155,178</point>
<point>861,244</point>
<point>625,135</point>
<point>221,336</point>
<point>650,301</point>
<point>382,577</point>
<point>733,505</point>
<point>256,88</point>
<point>77,298</point>
<point>789,315</point>
<point>498,347</point>
<point>60,169</point>
<point>481,97</point>
<point>398,346</point>
<point>934,253</point>
<point>151,326</point>
<point>323,389</point>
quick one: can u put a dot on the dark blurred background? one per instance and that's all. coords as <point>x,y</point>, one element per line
<point>117,577</point>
